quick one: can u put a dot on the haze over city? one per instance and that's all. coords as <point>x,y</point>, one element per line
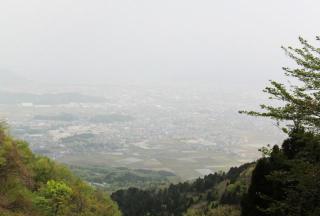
<point>159,107</point>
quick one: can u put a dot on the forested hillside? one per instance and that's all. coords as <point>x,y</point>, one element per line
<point>197,197</point>
<point>32,185</point>
<point>111,179</point>
<point>287,181</point>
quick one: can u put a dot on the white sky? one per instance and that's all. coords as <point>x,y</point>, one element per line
<point>101,41</point>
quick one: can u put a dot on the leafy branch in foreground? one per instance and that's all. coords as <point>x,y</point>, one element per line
<point>301,101</point>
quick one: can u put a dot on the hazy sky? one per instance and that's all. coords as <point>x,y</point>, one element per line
<point>97,41</point>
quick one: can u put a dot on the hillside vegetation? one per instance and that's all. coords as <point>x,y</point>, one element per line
<point>194,198</point>
<point>286,181</point>
<point>111,179</point>
<point>32,185</point>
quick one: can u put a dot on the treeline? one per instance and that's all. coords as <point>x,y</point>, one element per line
<point>35,185</point>
<point>287,182</point>
<point>176,199</point>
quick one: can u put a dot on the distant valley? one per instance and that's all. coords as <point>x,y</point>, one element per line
<point>189,133</point>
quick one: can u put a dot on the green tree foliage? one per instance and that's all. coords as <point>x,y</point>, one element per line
<point>300,101</point>
<point>201,195</point>
<point>223,210</point>
<point>37,186</point>
<point>286,180</point>
<point>57,195</point>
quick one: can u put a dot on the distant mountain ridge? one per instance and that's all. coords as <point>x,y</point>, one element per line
<point>11,80</point>
<point>47,99</point>
<point>114,178</point>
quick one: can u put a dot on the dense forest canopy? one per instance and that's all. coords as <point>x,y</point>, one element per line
<point>37,186</point>
<point>200,195</point>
